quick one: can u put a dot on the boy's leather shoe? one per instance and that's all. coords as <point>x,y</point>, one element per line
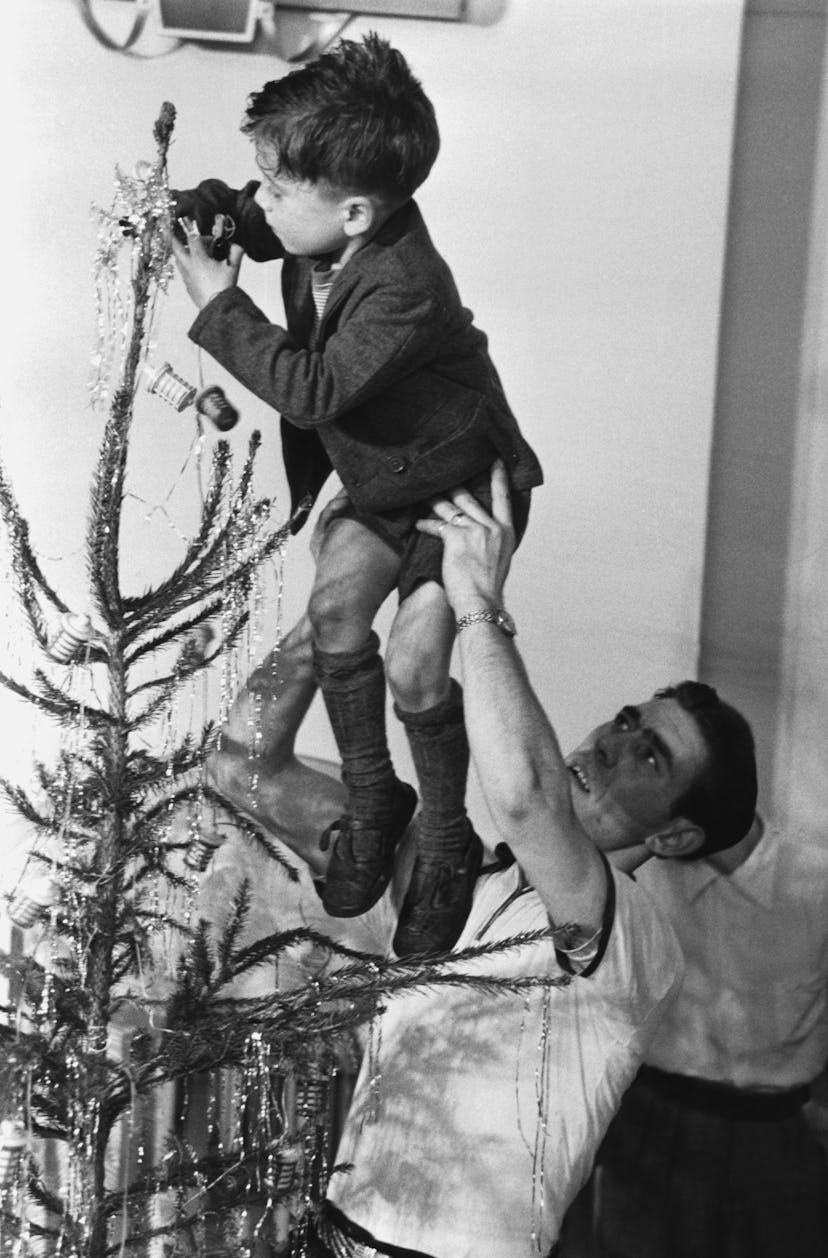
<point>437,902</point>
<point>362,858</point>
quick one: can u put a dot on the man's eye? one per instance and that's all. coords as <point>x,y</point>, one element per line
<point>621,721</point>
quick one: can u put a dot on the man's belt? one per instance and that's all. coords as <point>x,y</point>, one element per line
<point>343,1239</point>
<point>723,1100</point>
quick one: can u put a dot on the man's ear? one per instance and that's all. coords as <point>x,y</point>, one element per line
<point>360,215</point>
<point>679,838</point>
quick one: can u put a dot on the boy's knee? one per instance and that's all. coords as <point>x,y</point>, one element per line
<point>419,650</point>
<point>323,610</point>
<point>403,672</point>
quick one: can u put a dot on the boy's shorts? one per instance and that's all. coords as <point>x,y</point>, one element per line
<point>421,555</point>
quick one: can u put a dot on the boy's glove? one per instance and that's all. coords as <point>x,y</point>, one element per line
<point>211,198</point>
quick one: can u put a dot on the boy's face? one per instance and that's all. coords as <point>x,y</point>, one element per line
<point>308,218</point>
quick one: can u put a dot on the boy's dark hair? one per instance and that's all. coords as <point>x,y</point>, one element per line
<point>355,118</point>
<point>722,799</point>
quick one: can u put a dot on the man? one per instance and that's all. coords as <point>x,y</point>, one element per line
<point>478,1114</point>
<point>711,1155</point>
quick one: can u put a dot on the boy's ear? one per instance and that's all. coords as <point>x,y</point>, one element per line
<point>679,838</point>
<point>360,215</point>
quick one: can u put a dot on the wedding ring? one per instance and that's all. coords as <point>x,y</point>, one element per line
<point>458,515</point>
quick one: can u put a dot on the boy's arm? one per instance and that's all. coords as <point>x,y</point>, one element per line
<point>213,197</point>
<point>393,332</point>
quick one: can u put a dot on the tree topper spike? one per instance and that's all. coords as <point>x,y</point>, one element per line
<point>163,129</point>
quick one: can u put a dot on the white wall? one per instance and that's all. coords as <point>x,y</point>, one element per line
<point>580,198</point>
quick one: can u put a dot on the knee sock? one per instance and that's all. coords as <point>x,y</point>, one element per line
<point>353,688</point>
<point>440,751</point>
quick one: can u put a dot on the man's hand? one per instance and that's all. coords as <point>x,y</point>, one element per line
<point>203,276</point>
<point>477,546</point>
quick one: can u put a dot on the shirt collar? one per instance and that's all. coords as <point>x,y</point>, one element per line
<point>755,876</point>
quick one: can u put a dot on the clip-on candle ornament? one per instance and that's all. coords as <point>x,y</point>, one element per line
<point>32,898</point>
<point>224,229</point>
<point>213,405</point>
<point>282,1169</point>
<point>211,402</point>
<point>169,386</point>
<point>72,636</point>
<point>202,850</point>
<point>311,1095</point>
<point>12,1144</point>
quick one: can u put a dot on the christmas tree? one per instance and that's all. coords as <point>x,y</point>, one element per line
<point>90,1042</point>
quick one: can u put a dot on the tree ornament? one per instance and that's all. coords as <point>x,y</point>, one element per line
<point>203,849</point>
<point>12,1144</point>
<point>282,1174</point>
<point>32,899</point>
<point>213,405</point>
<point>223,231</point>
<point>73,635</point>
<point>169,386</point>
<point>312,1096</point>
<point>200,641</point>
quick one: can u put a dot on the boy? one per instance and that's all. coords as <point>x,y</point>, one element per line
<point>382,376</point>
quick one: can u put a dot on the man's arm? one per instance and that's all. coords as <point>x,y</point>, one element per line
<point>524,779</point>
<point>256,766</point>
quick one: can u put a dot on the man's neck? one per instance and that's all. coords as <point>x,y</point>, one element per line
<point>732,857</point>
<point>627,859</point>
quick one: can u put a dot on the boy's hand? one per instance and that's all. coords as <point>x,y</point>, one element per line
<point>203,276</point>
<point>477,547</point>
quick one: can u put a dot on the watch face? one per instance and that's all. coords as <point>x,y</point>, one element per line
<point>505,622</point>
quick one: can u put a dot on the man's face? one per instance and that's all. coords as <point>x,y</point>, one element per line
<point>307,218</point>
<point>628,774</point>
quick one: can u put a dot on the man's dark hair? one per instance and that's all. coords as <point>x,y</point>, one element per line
<point>356,118</point>
<point>722,799</point>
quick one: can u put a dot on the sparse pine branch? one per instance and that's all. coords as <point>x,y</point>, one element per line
<point>24,805</point>
<point>239,912</point>
<point>172,633</point>
<point>61,703</point>
<point>153,599</point>
<point>26,571</point>
<point>55,709</point>
<point>192,659</point>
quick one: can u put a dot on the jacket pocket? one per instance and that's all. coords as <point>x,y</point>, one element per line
<point>442,449</point>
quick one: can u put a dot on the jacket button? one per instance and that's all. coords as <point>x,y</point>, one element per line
<point>397,463</point>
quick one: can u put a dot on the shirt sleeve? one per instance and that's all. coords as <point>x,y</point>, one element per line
<point>391,333</point>
<point>583,956</point>
<point>642,967</point>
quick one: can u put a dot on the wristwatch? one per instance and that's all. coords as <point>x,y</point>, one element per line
<point>494,615</point>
